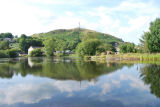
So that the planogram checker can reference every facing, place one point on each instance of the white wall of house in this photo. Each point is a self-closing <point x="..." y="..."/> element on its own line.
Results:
<point x="30" y="50"/>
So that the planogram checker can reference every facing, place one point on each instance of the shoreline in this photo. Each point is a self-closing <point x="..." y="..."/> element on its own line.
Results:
<point x="128" y="57"/>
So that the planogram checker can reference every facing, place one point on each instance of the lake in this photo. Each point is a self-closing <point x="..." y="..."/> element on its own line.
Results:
<point x="51" y="82"/>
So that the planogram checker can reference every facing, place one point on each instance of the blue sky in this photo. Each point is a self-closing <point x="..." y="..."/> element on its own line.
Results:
<point x="126" y="19"/>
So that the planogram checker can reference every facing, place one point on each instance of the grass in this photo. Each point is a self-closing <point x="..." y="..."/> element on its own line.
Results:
<point x="132" y="56"/>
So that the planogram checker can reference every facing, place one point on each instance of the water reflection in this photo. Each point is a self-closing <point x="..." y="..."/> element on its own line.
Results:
<point x="40" y="82"/>
<point x="63" y="69"/>
<point x="151" y="76"/>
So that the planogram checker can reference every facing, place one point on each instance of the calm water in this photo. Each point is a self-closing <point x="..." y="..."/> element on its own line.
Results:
<point x="43" y="82"/>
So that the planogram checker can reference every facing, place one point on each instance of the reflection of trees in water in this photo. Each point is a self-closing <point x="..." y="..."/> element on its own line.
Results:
<point x="151" y="76"/>
<point x="59" y="69"/>
<point x="6" y="71"/>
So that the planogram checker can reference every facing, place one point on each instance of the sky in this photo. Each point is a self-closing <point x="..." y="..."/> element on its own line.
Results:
<point x="125" y="19"/>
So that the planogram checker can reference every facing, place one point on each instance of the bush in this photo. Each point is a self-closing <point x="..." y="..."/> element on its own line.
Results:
<point x="87" y="57"/>
<point x="59" y="54"/>
<point x="36" y="53"/>
<point x="4" y="45"/>
<point x="12" y="53"/>
<point x="88" y="47"/>
<point x="3" y="54"/>
<point x="127" y="48"/>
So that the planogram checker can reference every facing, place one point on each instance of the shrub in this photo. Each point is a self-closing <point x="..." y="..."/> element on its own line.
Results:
<point x="127" y="48"/>
<point x="87" y="57"/>
<point x="12" y="53"/>
<point x="3" y="54"/>
<point x="36" y="53"/>
<point x="88" y="47"/>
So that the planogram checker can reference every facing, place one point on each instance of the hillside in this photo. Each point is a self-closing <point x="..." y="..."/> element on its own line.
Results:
<point x="72" y="34"/>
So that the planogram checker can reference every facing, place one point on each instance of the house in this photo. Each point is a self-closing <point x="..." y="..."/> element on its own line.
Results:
<point x="7" y="39"/>
<point x="109" y="52"/>
<point x="65" y="52"/>
<point x="117" y="48"/>
<point x="31" y="48"/>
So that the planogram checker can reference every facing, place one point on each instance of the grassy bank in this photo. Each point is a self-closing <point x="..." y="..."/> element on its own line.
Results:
<point x="129" y="56"/>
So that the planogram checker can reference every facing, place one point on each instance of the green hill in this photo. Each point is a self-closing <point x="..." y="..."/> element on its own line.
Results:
<point x="72" y="34"/>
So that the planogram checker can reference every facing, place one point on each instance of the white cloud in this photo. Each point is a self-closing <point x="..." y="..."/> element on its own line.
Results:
<point x="17" y="17"/>
<point x="126" y="20"/>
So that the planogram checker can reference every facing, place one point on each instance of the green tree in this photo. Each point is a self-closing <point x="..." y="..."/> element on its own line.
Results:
<point x="6" y="35"/>
<point x="88" y="47"/>
<point x="49" y="45"/>
<point x="4" y="45"/>
<point x="127" y="48"/>
<point x="60" y="44"/>
<point x="3" y="54"/>
<point x="143" y="43"/>
<point x="105" y="47"/>
<point x="90" y="35"/>
<point x="12" y="53"/>
<point x="152" y="37"/>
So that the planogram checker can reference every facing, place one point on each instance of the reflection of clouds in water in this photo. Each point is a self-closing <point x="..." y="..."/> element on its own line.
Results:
<point x="135" y="82"/>
<point x="26" y="93"/>
<point x="116" y="83"/>
<point x="106" y="88"/>
<point x="68" y="86"/>
<point x="34" y="92"/>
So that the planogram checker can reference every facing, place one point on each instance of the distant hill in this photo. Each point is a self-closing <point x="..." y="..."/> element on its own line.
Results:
<point x="71" y="34"/>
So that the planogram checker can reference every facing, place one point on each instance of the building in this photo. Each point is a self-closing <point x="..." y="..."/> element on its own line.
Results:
<point x="65" y="52"/>
<point x="7" y="39"/>
<point x="117" y="48"/>
<point x="31" y="48"/>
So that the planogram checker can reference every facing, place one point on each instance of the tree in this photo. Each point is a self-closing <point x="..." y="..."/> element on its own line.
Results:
<point x="4" y="45"/>
<point x="127" y="48"/>
<point x="6" y="35"/>
<point x="90" y="35"/>
<point x="143" y="43"/>
<point x="88" y="47"/>
<point x="49" y="45"/>
<point x="66" y="42"/>
<point x="152" y="37"/>
<point x="105" y="47"/>
<point x="12" y="53"/>
<point x="60" y="44"/>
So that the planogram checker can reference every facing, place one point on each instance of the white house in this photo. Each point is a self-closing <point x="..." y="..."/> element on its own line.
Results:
<point x="31" y="48"/>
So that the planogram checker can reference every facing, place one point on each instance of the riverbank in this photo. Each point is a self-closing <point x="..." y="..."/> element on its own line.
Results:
<point x="128" y="57"/>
